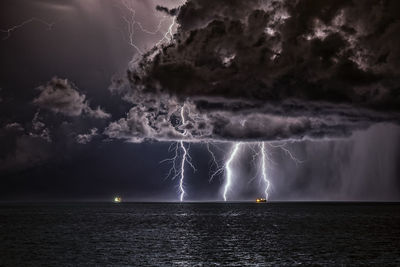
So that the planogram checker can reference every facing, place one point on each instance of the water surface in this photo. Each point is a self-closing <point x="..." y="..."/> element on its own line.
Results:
<point x="199" y="234"/>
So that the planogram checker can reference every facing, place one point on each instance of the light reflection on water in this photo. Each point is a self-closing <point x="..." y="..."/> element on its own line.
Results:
<point x="208" y="234"/>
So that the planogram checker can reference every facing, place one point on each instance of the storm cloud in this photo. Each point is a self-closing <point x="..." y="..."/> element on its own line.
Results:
<point x="61" y="96"/>
<point x="22" y="148"/>
<point x="267" y="70"/>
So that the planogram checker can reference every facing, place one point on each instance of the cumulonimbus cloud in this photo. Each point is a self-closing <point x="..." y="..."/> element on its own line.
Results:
<point x="268" y="70"/>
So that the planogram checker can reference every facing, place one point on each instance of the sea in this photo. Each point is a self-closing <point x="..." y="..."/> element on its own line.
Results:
<point x="200" y="234"/>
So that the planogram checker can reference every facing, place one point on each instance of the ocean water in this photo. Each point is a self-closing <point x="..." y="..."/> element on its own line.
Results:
<point x="199" y="234"/>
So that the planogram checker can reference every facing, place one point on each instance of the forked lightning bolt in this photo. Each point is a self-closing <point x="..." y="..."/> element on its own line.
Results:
<point x="287" y="151"/>
<point x="228" y="169"/>
<point x="132" y="24"/>
<point x="16" y="27"/>
<point x="181" y="188"/>
<point x="186" y="158"/>
<point x="264" y="169"/>
<point x="214" y="162"/>
<point x="176" y="171"/>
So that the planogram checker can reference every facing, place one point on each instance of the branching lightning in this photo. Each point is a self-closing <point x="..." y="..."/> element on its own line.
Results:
<point x="287" y="151"/>
<point x="169" y="32"/>
<point x="186" y="158"/>
<point x="180" y="149"/>
<point x="264" y="169"/>
<point x="260" y="158"/>
<point x="132" y="24"/>
<point x="181" y="188"/>
<point x="213" y="157"/>
<point x="173" y="170"/>
<point x="214" y="163"/>
<point x="28" y="21"/>
<point x="228" y="169"/>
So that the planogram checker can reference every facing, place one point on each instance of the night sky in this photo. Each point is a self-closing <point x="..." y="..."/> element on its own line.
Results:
<point x="92" y="96"/>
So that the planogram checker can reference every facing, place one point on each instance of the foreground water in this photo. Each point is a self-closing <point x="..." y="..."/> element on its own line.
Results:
<point x="202" y="234"/>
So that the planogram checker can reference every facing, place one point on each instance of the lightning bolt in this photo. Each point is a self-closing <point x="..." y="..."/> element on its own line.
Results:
<point x="264" y="169"/>
<point x="28" y="21"/>
<point x="213" y="157"/>
<point x="173" y="170"/>
<point x="259" y="149"/>
<point x="255" y="156"/>
<point x="169" y="32"/>
<point x="214" y="163"/>
<point x="287" y="151"/>
<point x="179" y="171"/>
<point x="186" y="158"/>
<point x="228" y="169"/>
<point x="266" y="160"/>
<point x="181" y="180"/>
<point x="132" y="24"/>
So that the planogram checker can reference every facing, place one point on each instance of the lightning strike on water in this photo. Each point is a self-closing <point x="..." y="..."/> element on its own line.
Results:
<point x="228" y="169"/>
<point x="260" y="153"/>
<point x="181" y="188"/>
<point x="132" y="24"/>
<point x="31" y="20"/>
<point x="180" y="151"/>
<point x="179" y="171"/>
<point x="264" y="169"/>
<point x="185" y="158"/>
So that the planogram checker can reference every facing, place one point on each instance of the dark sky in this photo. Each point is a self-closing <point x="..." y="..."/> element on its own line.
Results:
<point x="85" y="115"/>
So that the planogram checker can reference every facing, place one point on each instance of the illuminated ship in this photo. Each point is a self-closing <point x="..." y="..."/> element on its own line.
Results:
<point x="117" y="199"/>
<point x="261" y="200"/>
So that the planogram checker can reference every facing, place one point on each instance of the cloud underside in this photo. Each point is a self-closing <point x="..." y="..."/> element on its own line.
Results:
<point x="267" y="70"/>
<point x="212" y="120"/>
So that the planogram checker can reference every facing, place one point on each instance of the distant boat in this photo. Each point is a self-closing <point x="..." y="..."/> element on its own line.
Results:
<point x="117" y="199"/>
<point x="261" y="200"/>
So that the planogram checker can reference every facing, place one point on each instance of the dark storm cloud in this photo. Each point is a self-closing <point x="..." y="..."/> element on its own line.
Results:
<point x="65" y="119"/>
<point x="267" y="70"/>
<point x="171" y="12"/>
<point x="46" y="138"/>
<point x="22" y="148"/>
<point x="61" y="96"/>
